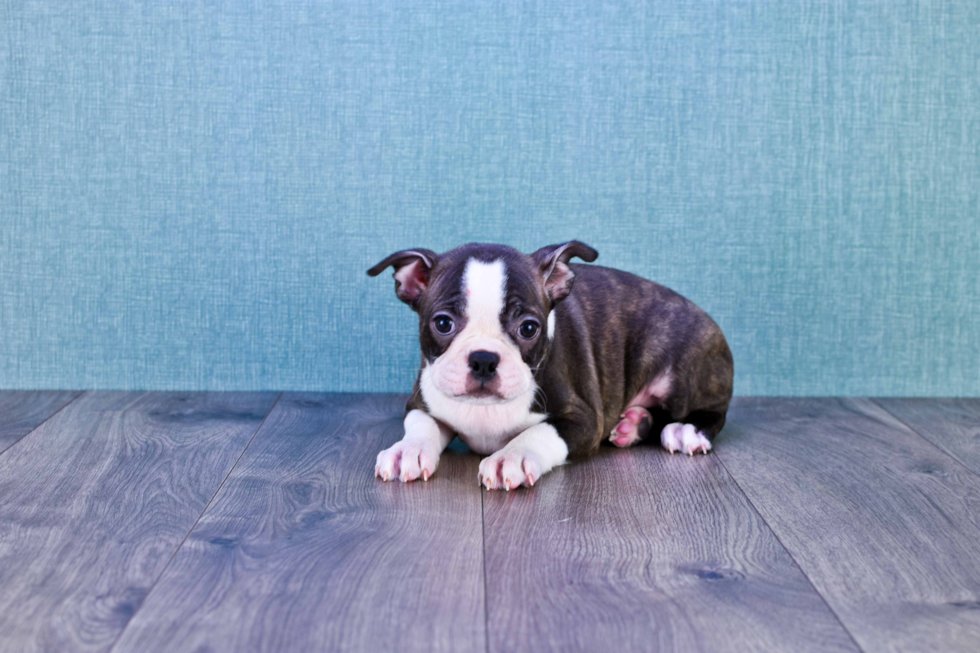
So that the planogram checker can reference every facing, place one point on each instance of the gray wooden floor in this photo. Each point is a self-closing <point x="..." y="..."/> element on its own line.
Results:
<point x="237" y="522"/>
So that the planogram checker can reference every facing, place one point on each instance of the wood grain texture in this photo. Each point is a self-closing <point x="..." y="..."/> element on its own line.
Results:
<point x="304" y="550"/>
<point x="96" y="501"/>
<point x="953" y="425"/>
<point x="640" y="550"/>
<point x="886" y="526"/>
<point x="22" y="411"/>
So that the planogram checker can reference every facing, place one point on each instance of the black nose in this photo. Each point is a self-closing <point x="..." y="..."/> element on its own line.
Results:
<point x="483" y="364"/>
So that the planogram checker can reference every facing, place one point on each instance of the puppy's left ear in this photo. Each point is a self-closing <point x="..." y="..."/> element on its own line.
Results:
<point x="412" y="268"/>
<point x="552" y="262"/>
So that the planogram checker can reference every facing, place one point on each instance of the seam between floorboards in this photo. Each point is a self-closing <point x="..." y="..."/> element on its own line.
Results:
<point x="196" y="521"/>
<point x="790" y="554"/>
<point x="43" y="422"/>
<point x="932" y="444"/>
<point x="486" y="603"/>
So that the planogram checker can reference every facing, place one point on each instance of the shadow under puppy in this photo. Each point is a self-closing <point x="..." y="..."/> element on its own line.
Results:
<point x="524" y="368"/>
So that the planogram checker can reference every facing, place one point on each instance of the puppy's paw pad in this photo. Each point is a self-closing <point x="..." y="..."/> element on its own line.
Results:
<point x="684" y="438"/>
<point x="632" y="427"/>
<point x="509" y="469"/>
<point x="406" y="461"/>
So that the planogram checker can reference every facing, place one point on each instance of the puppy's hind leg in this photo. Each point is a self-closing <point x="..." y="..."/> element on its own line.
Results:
<point x="636" y="421"/>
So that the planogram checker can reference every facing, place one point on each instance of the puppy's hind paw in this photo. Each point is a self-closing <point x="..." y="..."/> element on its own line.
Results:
<point x="632" y="428"/>
<point x="684" y="438"/>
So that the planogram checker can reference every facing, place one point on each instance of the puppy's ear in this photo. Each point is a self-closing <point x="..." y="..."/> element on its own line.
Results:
<point x="552" y="262"/>
<point x="412" y="267"/>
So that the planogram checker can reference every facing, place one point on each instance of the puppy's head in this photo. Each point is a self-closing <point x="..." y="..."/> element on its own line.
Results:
<point x="485" y="314"/>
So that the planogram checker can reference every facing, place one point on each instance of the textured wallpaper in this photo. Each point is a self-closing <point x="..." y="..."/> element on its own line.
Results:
<point x="191" y="192"/>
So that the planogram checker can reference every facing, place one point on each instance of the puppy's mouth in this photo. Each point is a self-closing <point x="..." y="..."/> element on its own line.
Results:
<point x="481" y="393"/>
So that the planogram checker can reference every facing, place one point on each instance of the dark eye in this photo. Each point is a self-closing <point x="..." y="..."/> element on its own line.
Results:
<point x="443" y="324"/>
<point x="529" y="329"/>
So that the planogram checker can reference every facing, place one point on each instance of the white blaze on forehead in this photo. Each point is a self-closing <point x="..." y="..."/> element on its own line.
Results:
<point x="485" y="285"/>
<point x="551" y="325"/>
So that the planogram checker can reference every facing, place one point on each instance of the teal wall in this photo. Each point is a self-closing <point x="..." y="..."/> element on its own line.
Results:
<point x="190" y="192"/>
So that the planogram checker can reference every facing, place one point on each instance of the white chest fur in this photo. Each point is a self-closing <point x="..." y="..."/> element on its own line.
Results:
<point x="484" y="427"/>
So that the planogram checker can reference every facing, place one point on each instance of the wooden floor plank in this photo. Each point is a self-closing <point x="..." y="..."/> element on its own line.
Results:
<point x="303" y="550"/>
<point x="97" y="500"/>
<point x="22" y="411"/>
<point x="886" y="526"/>
<point x="953" y="425"/>
<point x="642" y="550"/>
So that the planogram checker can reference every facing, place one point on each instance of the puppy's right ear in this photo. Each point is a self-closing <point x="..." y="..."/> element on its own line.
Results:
<point x="412" y="267"/>
<point x="552" y="262"/>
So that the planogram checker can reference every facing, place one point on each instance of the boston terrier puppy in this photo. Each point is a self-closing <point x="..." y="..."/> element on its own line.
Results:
<point x="529" y="372"/>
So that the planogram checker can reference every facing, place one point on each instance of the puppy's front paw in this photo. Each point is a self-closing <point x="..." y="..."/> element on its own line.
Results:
<point x="406" y="461"/>
<point x="684" y="438"/>
<point x="510" y="468"/>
